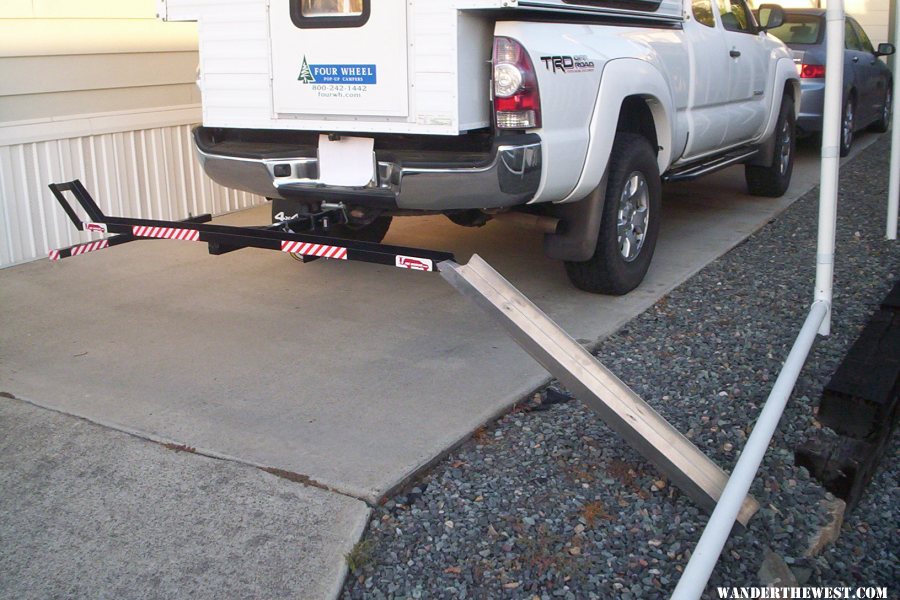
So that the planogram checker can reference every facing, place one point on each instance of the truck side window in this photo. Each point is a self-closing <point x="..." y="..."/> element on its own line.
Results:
<point x="329" y="13"/>
<point x="736" y="16"/>
<point x="703" y="12"/>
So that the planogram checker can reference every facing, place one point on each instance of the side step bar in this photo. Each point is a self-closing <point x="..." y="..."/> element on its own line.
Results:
<point x="693" y="171"/>
<point x="224" y="238"/>
<point x="618" y="406"/>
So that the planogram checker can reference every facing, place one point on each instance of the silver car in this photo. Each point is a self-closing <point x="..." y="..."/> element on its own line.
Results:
<point x="867" y="80"/>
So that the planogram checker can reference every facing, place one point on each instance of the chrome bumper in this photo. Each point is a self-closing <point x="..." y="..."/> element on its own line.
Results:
<point x="512" y="177"/>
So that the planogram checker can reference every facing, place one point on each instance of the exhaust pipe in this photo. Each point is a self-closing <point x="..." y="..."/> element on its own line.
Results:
<point x="539" y="223"/>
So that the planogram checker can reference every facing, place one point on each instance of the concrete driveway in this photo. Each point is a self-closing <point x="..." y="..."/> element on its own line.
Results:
<point x="353" y="375"/>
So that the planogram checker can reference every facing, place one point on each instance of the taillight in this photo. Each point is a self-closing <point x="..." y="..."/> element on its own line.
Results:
<point x="517" y="103"/>
<point x="812" y="71"/>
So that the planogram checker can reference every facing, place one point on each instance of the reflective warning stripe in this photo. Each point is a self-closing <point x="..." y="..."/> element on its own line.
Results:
<point x="166" y="233"/>
<point x="314" y="250"/>
<point x="90" y="247"/>
<point x="81" y="249"/>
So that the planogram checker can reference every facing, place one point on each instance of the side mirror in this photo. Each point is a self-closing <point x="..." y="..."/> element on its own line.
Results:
<point x="770" y="16"/>
<point x="885" y="50"/>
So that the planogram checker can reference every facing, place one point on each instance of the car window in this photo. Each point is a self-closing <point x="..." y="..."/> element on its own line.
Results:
<point x="863" y="38"/>
<point x="851" y="42"/>
<point x="736" y="16"/>
<point x="703" y="12"/>
<point x="799" y="29"/>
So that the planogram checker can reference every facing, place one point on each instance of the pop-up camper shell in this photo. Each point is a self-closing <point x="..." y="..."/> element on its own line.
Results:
<point x="420" y="67"/>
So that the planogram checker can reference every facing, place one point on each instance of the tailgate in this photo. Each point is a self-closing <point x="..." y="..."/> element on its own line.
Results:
<point x="339" y="57"/>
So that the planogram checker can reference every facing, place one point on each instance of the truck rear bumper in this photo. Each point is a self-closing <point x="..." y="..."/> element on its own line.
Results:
<point x="506" y="174"/>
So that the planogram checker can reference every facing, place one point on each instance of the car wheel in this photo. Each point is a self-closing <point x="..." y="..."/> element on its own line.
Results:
<point x="884" y="122"/>
<point x="630" y="222"/>
<point x="847" y="125"/>
<point x="773" y="181"/>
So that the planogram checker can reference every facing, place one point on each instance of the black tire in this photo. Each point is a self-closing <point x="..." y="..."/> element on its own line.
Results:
<point x="884" y="122"/>
<point x="848" y="125"/>
<point x="773" y="181"/>
<point x="610" y="270"/>
<point x="371" y="232"/>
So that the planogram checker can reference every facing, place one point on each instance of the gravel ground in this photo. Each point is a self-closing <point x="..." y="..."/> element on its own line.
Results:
<point x="548" y="502"/>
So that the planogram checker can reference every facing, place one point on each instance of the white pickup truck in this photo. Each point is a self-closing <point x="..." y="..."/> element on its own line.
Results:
<point x="566" y="114"/>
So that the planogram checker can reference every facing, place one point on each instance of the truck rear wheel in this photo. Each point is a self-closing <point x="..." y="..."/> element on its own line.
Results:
<point x="773" y="181"/>
<point x="630" y="223"/>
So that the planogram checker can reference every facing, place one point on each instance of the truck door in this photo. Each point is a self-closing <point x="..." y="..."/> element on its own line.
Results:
<point x="339" y="57"/>
<point x="708" y="95"/>
<point x="748" y="72"/>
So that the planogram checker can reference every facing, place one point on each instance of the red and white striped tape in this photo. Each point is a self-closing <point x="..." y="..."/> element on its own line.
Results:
<point x="314" y="250"/>
<point x="81" y="249"/>
<point x="165" y="233"/>
<point x="90" y="247"/>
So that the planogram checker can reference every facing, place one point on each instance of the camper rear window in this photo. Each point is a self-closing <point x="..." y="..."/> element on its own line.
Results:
<point x="329" y="13"/>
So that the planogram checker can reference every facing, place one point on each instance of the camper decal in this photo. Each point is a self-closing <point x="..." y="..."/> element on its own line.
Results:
<point x="305" y="74"/>
<point x="338" y="74"/>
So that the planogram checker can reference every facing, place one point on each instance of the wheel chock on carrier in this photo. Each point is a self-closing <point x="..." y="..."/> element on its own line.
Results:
<point x="618" y="406"/>
<point x="225" y="238"/>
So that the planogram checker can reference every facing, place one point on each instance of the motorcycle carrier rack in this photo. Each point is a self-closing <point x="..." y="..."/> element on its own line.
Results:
<point x="227" y="238"/>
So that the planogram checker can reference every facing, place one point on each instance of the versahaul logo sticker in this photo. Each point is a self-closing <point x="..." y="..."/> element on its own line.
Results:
<point x="414" y="263"/>
<point x="568" y="64"/>
<point x="338" y="74"/>
<point x="98" y="227"/>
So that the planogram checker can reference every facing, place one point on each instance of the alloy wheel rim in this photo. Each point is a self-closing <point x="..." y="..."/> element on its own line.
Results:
<point x="848" y="124"/>
<point x="633" y="216"/>
<point x="785" y="157"/>
<point x="887" y="106"/>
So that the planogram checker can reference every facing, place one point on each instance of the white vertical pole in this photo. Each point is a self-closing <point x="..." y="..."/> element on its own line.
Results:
<point x="831" y="157"/>
<point x="894" y="186"/>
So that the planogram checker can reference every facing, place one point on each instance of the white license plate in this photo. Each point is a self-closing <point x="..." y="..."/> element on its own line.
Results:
<point x="349" y="161"/>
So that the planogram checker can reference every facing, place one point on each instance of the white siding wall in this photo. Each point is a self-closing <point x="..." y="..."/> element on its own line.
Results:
<point x="101" y="91"/>
<point x="873" y="15"/>
<point x="149" y="173"/>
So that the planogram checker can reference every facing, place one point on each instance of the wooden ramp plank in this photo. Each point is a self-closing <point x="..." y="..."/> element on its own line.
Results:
<point x="591" y="382"/>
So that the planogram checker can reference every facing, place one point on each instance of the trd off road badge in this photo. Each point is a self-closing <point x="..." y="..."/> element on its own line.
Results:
<point x="568" y="64"/>
<point x="338" y="74"/>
